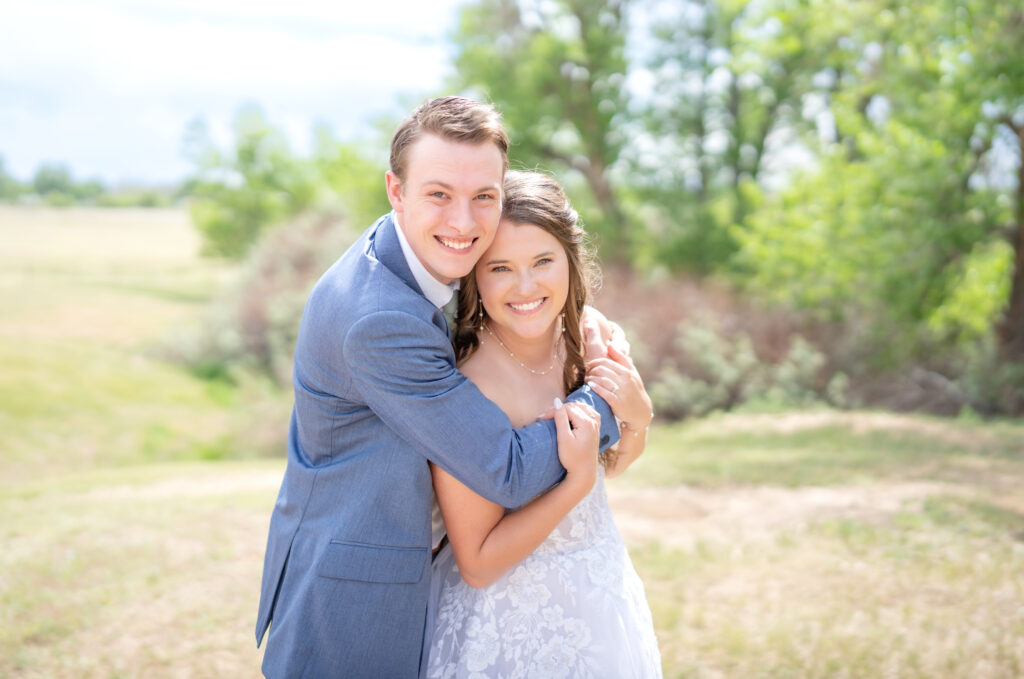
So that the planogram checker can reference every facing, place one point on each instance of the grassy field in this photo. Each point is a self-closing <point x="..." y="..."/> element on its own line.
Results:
<point x="135" y="498"/>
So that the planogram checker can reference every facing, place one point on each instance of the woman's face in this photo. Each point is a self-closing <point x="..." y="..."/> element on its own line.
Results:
<point x="523" y="279"/>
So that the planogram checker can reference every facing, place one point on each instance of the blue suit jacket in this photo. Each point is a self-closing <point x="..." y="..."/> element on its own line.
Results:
<point x="346" y="572"/>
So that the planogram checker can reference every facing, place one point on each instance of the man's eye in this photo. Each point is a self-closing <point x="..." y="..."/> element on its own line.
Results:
<point x="437" y="194"/>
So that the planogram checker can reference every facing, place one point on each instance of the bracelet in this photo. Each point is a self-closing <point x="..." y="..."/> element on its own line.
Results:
<point x="634" y="431"/>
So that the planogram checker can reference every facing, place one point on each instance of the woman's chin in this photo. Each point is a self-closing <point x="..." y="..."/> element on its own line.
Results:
<point x="526" y="330"/>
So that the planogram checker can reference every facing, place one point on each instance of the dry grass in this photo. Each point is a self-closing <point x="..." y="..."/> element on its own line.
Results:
<point x="150" y="572"/>
<point x="799" y="545"/>
<point x="882" y="546"/>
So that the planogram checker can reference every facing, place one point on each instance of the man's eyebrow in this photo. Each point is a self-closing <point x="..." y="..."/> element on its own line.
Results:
<point x="449" y="187"/>
<point x="438" y="182"/>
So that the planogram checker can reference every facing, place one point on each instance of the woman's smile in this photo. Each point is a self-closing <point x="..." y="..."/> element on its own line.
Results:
<point x="526" y="307"/>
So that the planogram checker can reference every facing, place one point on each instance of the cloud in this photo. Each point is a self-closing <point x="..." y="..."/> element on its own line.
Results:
<point x="105" y="83"/>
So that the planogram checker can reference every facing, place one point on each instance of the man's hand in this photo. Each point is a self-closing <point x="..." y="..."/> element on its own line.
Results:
<point x="599" y="332"/>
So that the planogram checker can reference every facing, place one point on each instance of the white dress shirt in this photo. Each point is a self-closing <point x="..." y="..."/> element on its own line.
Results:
<point x="435" y="291"/>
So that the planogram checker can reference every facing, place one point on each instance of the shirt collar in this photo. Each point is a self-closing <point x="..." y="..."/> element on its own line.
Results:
<point x="436" y="292"/>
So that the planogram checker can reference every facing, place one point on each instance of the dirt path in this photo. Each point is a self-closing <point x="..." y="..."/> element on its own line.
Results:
<point x="682" y="516"/>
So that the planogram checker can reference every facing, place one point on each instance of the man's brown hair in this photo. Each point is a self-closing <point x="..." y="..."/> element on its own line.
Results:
<point x="452" y="118"/>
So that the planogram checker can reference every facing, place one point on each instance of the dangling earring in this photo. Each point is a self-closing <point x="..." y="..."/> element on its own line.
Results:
<point x="480" y="312"/>
<point x="561" y="318"/>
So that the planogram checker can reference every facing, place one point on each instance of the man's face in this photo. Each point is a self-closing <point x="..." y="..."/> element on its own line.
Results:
<point x="449" y="204"/>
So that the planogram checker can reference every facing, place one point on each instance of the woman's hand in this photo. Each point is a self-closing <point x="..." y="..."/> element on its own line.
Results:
<point x="578" y="427"/>
<point x="616" y="380"/>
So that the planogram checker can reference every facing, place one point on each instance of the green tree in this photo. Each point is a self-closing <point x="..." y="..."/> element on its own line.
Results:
<point x="10" y="188"/>
<point x="88" y="191"/>
<point x="914" y="214"/>
<point x="556" y="71"/>
<point x="992" y="79"/>
<point x="239" y="192"/>
<point x="731" y="80"/>
<point x="52" y="178"/>
<point x="352" y="177"/>
<point x="55" y="184"/>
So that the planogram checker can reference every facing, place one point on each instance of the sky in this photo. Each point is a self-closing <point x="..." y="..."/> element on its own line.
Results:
<point x="107" y="87"/>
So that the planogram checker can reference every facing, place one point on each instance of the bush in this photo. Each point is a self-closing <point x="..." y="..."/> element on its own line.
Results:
<point x="714" y="370"/>
<point x="253" y="324"/>
<point x="700" y="347"/>
<point x="990" y="385"/>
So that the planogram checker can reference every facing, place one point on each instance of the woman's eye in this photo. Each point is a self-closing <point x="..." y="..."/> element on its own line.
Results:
<point x="544" y="260"/>
<point x="500" y="268"/>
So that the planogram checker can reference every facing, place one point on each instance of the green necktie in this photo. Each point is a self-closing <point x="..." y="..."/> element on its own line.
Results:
<point x="449" y="310"/>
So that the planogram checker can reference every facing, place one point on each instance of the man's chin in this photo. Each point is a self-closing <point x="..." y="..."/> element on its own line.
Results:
<point x="455" y="273"/>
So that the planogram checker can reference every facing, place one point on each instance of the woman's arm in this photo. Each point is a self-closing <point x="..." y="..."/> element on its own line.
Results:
<point x="629" y="448"/>
<point x="486" y="541"/>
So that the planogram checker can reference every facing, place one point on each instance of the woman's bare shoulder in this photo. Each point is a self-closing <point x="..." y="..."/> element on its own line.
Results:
<point x="480" y="369"/>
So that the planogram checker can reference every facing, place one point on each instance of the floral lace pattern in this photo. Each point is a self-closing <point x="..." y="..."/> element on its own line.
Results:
<point x="573" y="608"/>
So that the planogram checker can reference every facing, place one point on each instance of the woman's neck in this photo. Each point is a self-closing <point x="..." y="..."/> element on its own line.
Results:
<point x="537" y="354"/>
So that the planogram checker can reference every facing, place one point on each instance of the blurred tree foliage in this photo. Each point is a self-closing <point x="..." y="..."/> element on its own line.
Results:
<point x="859" y="159"/>
<point x="556" y="71"/>
<point x="350" y="179"/>
<point x="54" y="184"/>
<point x="910" y="212"/>
<point x="239" y="192"/>
<point x="10" y="188"/>
<point x="728" y="78"/>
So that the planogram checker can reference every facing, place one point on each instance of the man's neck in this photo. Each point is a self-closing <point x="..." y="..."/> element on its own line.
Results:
<point x="437" y="292"/>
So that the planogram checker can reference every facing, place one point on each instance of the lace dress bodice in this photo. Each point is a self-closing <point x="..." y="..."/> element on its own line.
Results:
<point x="574" y="608"/>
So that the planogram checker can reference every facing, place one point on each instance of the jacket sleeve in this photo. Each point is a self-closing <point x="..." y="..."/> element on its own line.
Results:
<point x="404" y="369"/>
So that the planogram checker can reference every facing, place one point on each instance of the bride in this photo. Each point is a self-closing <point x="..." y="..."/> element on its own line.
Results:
<point x="547" y="590"/>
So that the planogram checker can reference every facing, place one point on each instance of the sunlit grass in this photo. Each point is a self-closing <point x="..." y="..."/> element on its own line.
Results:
<point x="140" y="571"/>
<point x="823" y="448"/>
<point x="907" y="596"/>
<point x="88" y="296"/>
<point x="133" y="528"/>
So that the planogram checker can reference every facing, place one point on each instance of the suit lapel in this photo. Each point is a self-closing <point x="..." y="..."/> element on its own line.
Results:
<point x="389" y="252"/>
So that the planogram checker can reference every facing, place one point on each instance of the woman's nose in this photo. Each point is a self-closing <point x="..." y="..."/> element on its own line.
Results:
<point x="526" y="282"/>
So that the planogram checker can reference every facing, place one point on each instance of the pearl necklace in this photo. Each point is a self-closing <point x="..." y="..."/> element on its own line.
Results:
<point x="515" y="358"/>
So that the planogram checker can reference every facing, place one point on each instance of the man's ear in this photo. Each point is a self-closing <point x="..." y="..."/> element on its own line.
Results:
<point x="394" y="187"/>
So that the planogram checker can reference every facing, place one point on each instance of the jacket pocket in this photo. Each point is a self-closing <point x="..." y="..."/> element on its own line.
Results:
<point x="372" y="563"/>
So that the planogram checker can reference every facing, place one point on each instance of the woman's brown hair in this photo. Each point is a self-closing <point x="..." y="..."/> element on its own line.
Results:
<point x="535" y="198"/>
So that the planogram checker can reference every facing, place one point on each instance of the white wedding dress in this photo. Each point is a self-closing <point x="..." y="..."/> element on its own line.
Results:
<point x="573" y="608"/>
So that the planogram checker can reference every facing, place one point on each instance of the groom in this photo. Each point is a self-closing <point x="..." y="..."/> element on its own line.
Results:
<point x="347" y="567"/>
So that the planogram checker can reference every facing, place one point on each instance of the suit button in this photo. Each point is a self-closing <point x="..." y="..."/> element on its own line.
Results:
<point x="605" y="439"/>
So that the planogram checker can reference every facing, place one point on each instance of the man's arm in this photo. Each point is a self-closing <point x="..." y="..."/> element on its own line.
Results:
<point x="403" y="369"/>
<point x="486" y="540"/>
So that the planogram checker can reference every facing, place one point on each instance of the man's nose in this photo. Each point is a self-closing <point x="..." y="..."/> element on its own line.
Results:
<point x="460" y="216"/>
